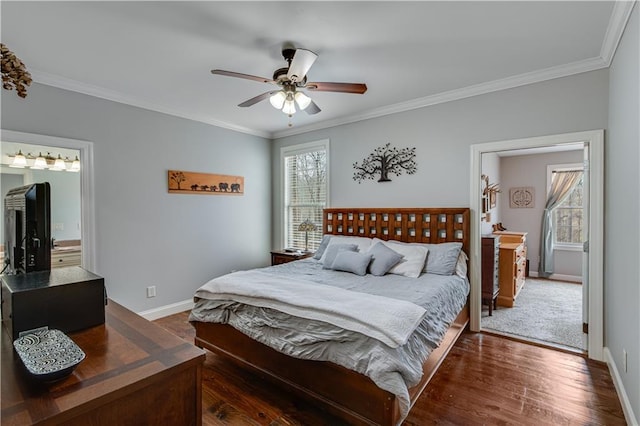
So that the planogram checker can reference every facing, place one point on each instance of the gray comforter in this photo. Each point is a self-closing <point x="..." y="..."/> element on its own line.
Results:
<point x="392" y="369"/>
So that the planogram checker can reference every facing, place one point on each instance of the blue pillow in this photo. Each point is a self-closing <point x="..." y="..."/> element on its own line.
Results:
<point x="383" y="259"/>
<point x="323" y="246"/>
<point x="442" y="258"/>
<point x="351" y="261"/>
<point x="332" y="251"/>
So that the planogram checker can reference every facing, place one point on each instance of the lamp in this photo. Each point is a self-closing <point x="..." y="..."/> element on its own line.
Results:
<point x="40" y="163"/>
<point x="75" y="165"/>
<point x="306" y="227"/>
<point x="19" y="161"/>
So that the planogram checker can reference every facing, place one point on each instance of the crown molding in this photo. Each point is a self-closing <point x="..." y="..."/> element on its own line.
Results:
<point x="617" y="23"/>
<point x="619" y="16"/>
<point x="586" y="65"/>
<point x="100" y="92"/>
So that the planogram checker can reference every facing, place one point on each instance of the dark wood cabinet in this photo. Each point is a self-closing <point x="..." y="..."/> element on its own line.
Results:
<point x="490" y="270"/>
<point x="280" y="256"/>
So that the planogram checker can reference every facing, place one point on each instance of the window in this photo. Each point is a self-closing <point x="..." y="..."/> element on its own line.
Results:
<point x="567" y="216"/>
<point x="305" y="169"/>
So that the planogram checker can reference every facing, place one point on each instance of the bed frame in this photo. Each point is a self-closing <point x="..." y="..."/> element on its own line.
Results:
<point x="347" y="394"/>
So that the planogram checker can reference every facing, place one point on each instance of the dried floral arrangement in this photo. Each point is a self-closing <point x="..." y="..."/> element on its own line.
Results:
<point x="14" y="72"/>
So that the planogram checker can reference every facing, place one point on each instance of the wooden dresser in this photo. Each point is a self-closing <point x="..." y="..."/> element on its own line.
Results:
<point x="134" y="373"/>
<point x="513" y="262"/>
<point x="490" y="270"/>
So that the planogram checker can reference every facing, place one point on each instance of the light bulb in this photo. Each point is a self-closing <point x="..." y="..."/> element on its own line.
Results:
<point x="40" y="163"/>
<point x="278" y="99"/>
<point x="302" y="100"/>
<point x="75" y="166"/>
<point x="289" y="107"/>
<point x="59" y="164"/>
<point x="19" y="161"/>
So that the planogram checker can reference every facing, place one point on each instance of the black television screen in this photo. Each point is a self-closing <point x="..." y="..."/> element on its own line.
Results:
<point x="27" y="217"/>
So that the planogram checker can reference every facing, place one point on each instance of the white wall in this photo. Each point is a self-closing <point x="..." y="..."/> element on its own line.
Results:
<point x="622" y="210"/>
<point x="531" y="170"/>
<point x="443" y="134"/>
<point x="144" y="235"/>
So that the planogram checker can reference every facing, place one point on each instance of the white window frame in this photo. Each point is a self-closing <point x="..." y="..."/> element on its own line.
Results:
<point x="290" y="150"/>
<point x="563" y="168"/>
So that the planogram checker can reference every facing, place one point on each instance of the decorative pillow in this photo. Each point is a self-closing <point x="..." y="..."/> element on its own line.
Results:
<point x="323" y="246"/>
<point x="413" y="260"/>
<point x="332" y="250"/>
<point x="442" y="258"/>
<point x="382" y="259"/>
<point x="351" y="261"/>
<point x="363" y="243"/>
<point x="461" y="264"/>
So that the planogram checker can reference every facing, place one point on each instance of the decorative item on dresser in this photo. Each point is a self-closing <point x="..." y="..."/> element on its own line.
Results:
<point x="513" y="261"/>
<point x="490" y="270"/>
<point x="279" y="257"/>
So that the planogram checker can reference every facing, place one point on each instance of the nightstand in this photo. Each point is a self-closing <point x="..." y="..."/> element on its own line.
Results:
<point x="280" y="256"/>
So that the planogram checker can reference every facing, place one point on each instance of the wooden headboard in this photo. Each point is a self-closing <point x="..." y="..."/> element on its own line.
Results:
<point x="410" y="225"/>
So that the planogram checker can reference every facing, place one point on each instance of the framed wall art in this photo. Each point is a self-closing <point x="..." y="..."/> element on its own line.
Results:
<point x="181" y="182"/>
<point x="522" y="197"/>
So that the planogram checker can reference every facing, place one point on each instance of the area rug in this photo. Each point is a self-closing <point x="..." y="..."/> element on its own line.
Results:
<point x="545" y="310"/>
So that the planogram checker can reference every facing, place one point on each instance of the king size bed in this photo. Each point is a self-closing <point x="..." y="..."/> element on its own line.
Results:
<point x="359" y="328"/>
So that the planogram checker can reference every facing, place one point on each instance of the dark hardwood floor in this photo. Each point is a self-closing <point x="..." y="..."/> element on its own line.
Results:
<point x="485" y="379"/>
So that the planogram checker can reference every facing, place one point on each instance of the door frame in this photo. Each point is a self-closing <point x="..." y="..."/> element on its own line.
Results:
<point x="87" y="199"/>
<point x="594" y="139"/>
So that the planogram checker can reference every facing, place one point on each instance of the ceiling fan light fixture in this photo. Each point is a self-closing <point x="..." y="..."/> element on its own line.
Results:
<point x="302" y="100"/>
<point x="278" y="99"/>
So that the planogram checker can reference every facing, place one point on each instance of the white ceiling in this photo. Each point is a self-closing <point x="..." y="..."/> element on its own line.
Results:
<point x="158" y="55"/>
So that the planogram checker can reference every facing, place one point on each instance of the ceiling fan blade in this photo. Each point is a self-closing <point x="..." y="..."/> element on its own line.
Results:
<point x="313" y="108"/>
<point x="357" y="88"/>
<point x="300" y="65"/>
<point x="245" y="76"/>
<point x="257" y="99"/>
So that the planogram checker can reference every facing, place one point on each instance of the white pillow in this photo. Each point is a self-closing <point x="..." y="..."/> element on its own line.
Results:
<point x="363" y="243"/>
<point x="412" y="263"/>
<point x="461" y="264"/>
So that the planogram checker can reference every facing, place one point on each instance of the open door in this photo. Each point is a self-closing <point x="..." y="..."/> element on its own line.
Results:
<point x="585" y="247"/>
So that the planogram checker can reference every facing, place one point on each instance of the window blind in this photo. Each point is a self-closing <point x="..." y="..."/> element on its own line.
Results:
<point x="305" y="195"/>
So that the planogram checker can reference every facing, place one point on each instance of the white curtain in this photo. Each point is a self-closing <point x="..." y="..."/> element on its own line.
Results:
<point x="562" y="183"/>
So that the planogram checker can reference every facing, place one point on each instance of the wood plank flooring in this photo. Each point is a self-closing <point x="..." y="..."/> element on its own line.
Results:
<point x="485" y="380"/>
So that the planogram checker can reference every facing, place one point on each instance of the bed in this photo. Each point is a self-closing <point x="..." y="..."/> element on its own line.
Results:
<point x="359" y="389"/>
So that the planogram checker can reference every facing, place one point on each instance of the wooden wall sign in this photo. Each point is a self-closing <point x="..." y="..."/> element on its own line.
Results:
<point x="181" y="182"/>
<point x="522" y="198"/>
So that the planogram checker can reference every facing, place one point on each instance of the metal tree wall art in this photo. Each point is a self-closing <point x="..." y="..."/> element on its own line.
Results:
<point x="14" y="73"/>
<point x="385" y="160"/>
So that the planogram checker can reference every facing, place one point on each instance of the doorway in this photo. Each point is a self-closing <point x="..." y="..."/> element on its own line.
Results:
<point x="87" y="210"/>
<point x="594" y="141"/>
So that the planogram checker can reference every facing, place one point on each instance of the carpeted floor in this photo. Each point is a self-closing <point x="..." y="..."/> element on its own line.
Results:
<point x="549" y="311"/>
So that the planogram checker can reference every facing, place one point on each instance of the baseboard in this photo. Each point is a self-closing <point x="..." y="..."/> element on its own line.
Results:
<point x="559" y="277"/>
<point x="622" y="394"/>
<point x="164" y="311"/>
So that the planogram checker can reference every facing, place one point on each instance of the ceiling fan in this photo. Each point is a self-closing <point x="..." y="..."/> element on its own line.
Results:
<point x="291" y="81"/>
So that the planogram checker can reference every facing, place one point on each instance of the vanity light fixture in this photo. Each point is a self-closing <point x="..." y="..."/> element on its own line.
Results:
<point x="43" y="162"/>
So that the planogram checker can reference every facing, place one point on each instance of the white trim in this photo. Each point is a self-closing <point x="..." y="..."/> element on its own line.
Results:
<point x="595" y="140"/>
<point x="627" y="409"/>
<point x="617" y="23"/>
<point x="87" y="192"/>
<point x="293" y="150"/>
<point x="110" y="95"/>
<point x="165" y="311"/>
